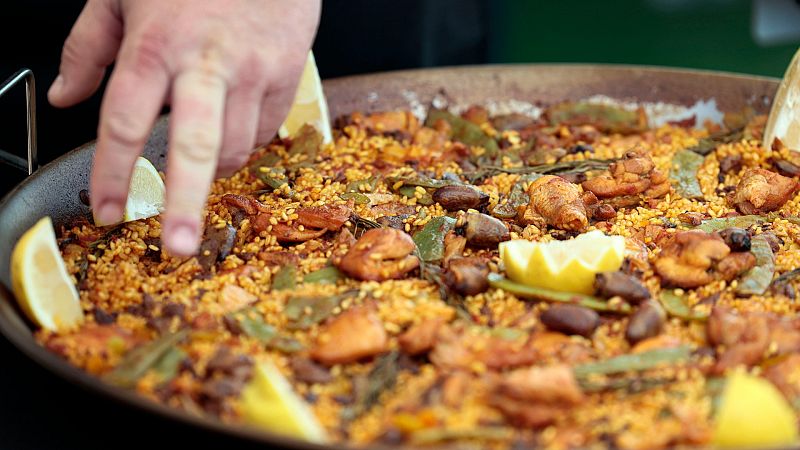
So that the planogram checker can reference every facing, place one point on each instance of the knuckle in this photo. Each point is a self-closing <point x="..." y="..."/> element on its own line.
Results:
<point x="252" y="71"/>
<point x="124" y="129"/>
<point x="148" y="50"/>
<point x="71" y="52"/>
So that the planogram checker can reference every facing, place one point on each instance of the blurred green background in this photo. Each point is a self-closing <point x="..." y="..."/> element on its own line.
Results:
<point x="706" y="34"/>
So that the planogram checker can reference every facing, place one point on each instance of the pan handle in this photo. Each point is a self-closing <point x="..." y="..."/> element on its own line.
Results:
<point x="30" y="101"/>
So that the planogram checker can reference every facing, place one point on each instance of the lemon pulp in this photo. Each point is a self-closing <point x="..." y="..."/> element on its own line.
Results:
<point x="269" y="402"/>
<point x="309" y="106"/>
<point x="568" y="266"/>
<point x="40" y="280"/>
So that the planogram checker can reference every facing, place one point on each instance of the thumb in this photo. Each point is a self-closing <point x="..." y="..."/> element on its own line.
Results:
<point x="91" y="46"/>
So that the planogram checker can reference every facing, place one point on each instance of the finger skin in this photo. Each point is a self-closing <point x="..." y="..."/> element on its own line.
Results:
<point x="241" y="125"/>
<point x="274" y="108"/>
<point x="130" y="107"/>
<point x="198" y="105"/>
<point x="91" y="46"/>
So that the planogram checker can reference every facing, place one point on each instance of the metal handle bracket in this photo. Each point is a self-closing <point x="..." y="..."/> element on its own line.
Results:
<point x="30" y="100"/>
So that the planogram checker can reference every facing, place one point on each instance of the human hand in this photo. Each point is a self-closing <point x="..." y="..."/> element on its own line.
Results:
<point x="229" y="69"/>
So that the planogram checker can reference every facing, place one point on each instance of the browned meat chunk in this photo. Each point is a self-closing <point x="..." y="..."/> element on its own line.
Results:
<point x="634" y="174"/>
<point x="421" y="337"/>
<point x="308" y="371"/>
<point x="542" y="384"/>
<point x="380" y="254"/>
<point x="747" y="338"/>
<point x="761" y="191"/>
<point x="233" y="298"/>
<point x="785" y="375"/>
<point x="467" y="276"/>
<point x="355" y="334"/>
<point x="388" y="121"/>
<point x="279" y="258"/>
<point x="329" y="217"/>
<point x="311" y="223"/>
<point x="430" y="138"/>
<point x="90" y="345"/>
<point x="730" y="164"/>
<point x="533" y="397"/>
<point x="290" y="233"/>
<point x="456" y="348"/>
<point x="248" y="205"/>
<point x="689" y="259"/>
<point x="476" y="114"/>
<point x="453" y="246"/>
<point x="558" y="203"/>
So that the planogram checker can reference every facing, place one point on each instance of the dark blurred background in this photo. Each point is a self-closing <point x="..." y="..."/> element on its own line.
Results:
<point x="360" y="36"/>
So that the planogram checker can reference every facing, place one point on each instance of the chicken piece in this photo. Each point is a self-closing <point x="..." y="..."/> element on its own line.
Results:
<point x="429" y="138"/>
<point x="747" y="338"/>
<point x="689" y="259"/>
<point x="456" y="348"/>
<point x="421" y="337"/>
<point x="632" y="175"/>
<point x="535" y="396"/>
<point x="735" y="264"/>
<point x="761" y="191"/>
<point x="329" y="217"/>
<point x="476" y="114"/>
<point x="380" y="254"/>
<point x="559" y="203"/>
<point x="542" y="384"/>
<point x="248" y="205"/>
<point x="311" y="223"/>
<point x="785" y="375"/>
<point x="281" y="258"/>
<point x="392" y="121"/>
<point x="233" y="298"/>
<point x="90" y="346"/>
<point x="355" y="334"/>
<point x="453" y="246"/>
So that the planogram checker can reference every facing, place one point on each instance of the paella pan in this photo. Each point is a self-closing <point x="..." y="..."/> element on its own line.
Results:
<point x="380" y="274"/>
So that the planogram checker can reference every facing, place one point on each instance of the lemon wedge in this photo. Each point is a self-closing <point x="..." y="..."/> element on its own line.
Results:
<point x="515" y="255"/>
<point x="568" y="266"/>
<point x="145" y="195"/>
<point x="783" y="121"/>
<point x="269" y="402"/>
<point x="753" y="414"/>
<point x="40" y="280"/>
<point x="309" y="105"/>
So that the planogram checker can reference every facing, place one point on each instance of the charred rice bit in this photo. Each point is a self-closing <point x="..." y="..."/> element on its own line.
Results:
<point x="134" y="291"/>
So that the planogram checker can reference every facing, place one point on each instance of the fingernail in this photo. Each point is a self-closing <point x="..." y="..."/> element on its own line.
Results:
<point x="56" y="87"/>
<point x="181" y="239"/>
<point x="109" y="212"/>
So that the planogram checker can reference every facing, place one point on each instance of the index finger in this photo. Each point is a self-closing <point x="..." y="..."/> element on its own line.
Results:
<point x="196" y="123"/>
<point x="131" y="104"/>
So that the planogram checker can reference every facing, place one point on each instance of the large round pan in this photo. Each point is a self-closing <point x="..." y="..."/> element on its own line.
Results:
<point x="53" y="190"/>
